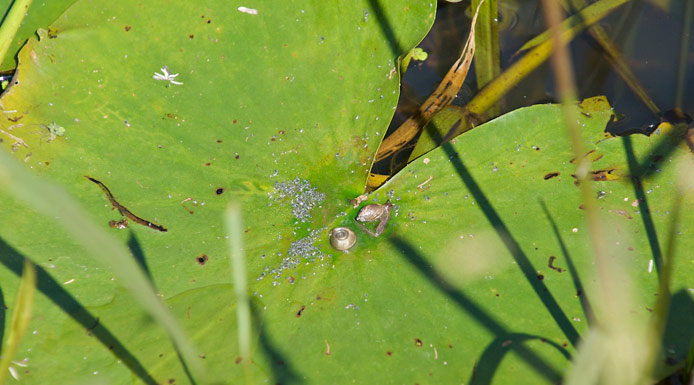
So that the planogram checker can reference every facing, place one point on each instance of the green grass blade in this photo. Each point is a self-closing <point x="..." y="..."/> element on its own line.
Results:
<point x="487" y="59"/>
<point x="54" y="202"/>
<point x="11" y="24"/>
<point x="234" y="226"/>
<point x="20" y="318"/>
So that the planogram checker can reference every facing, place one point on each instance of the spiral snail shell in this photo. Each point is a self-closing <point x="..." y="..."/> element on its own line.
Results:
<point x="342" y="238"/>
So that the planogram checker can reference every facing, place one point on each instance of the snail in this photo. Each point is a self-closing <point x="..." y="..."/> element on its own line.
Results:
<point x="375" y="213"/>
<point x="342" y="238"/>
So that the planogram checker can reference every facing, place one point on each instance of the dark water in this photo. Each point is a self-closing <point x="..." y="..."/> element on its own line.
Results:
<point x="647" y="33"/>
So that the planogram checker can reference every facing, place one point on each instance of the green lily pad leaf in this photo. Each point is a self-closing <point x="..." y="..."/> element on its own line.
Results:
<point x="155" y="116"/>
<point x="281" y="110"/>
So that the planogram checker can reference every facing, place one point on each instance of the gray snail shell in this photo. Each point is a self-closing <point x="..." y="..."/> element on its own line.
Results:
<point x="342" y="238"/>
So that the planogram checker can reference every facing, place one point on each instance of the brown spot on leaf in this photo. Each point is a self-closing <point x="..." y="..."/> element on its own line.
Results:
<point x="418" y="342"/>
<point x="208" y="163"/>
<point x="191" y="36"/>
<point x="550" y="264"/>
<point x="202" y="259"/>
<point x="298" y="314"/>
<point x="128" y="28"/>
<point x="389" y="353"/>
<point x="238" y="360"/>
<point x="171" y="380"/>
<point x="219" y="141"/>
<point x="603" y="175"/>
<point x="623" y="213"/>
<point x="219" y="191"/>
<point x="15" y="119"/>
<point x="540" y="277"/>
<point x="551" y="175"/>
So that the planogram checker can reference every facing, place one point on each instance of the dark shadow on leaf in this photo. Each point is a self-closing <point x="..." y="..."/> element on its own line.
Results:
<point x="3" y="316"/>
<point x="580" y="292"/>
<point x="282" y="369"/>
<point x="512" y="246"/>
<point x="679" y="333"/>
<point x="14" y="261"/>
<point x="136" y="250"/>
<point x="386" y="27"/>
<point x="183" y="364"/>
<point x="470" y="307"/>
<point x="635" y="170"/>
<point x="492" y="356"/>
<point x="660" y="151"/>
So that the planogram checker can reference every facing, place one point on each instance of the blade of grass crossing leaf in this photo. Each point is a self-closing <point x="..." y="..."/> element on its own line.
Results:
<point x="587" y="360"/>
<point x="11" y="24"/>
<point x="21" y="315"/>
<point x="234" y="226"/>
<point x="487" y="59"/>
<point x="54" y="202"/>
<point x="624" y="350"/>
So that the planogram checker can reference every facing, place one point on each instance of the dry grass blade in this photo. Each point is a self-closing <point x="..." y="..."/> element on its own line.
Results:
<point x="21" y="316"/>
<point x="440" y="98"/>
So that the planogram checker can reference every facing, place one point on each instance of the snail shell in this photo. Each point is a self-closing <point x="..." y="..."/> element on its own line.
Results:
<point x="342" y="238"/>
<point x="374" y="212"/>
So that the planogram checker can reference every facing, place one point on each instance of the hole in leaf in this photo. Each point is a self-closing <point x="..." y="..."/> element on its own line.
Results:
<point x="551" y="175"/>
<point x="298" y="314"/>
